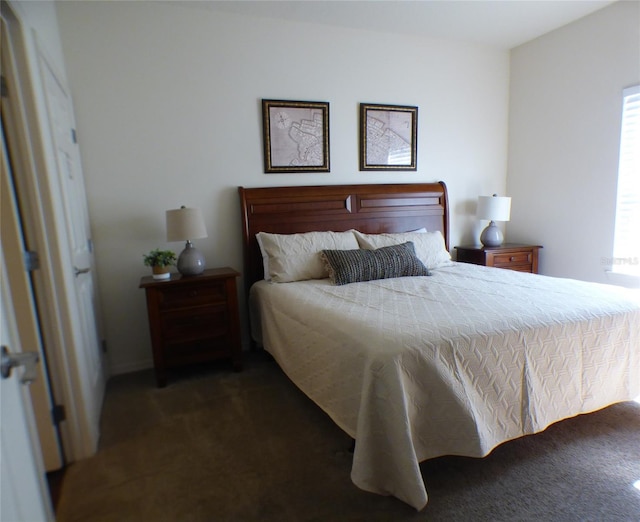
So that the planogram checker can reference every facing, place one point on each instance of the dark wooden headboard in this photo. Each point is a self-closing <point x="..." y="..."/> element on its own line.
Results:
<point x="372" y="209"/>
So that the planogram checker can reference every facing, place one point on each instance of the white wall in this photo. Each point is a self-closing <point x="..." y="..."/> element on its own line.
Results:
<point x="564" y="135"/>
<point x="167" y="102"/>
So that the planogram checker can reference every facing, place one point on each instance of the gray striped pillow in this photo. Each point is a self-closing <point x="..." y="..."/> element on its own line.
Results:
<point x="353" y="266"/>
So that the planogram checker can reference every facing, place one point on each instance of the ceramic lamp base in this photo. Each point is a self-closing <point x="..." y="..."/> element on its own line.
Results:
<point x="491" y="236"/>
<point x="191" y="261"/>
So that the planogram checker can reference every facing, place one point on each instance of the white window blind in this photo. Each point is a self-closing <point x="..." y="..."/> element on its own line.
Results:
<point x="626" y="244"/>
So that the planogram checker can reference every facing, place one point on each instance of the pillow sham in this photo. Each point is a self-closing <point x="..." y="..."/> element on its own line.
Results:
<point x="296" y="257"/>
<point x="429" y="246"/>
<point x="353" y="266"/>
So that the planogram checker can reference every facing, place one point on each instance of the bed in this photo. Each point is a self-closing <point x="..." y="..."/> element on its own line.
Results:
<point x="454" y="360"/>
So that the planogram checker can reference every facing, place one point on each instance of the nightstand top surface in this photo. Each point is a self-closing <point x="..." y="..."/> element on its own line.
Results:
<point x="504" y="246"/>
<point x="176" y="277"/>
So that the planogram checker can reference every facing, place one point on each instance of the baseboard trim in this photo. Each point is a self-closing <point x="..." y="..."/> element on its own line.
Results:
<point x="137" y="366"/>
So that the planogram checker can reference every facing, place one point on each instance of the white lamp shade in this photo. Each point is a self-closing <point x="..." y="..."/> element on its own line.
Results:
<point x="184" y="224"/>
<point x="494" y="208"/>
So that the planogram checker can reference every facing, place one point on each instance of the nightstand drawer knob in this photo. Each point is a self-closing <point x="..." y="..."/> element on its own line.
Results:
<point x="513" y="258"/>
<point x="193" y="293"/>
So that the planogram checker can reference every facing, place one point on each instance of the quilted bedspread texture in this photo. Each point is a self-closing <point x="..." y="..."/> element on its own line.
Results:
<point x="452" y="364"/>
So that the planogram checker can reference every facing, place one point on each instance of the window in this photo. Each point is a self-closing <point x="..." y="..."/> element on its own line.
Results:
<point x="626" y="243"/>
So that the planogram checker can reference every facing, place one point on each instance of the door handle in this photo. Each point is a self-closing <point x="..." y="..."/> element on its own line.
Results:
<point x="28" y="360"/>
<point x="78" y="271"/>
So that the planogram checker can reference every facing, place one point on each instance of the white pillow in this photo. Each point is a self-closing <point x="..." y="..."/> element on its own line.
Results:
<point x="429" y="246"/>
<point x="296" y="257"/>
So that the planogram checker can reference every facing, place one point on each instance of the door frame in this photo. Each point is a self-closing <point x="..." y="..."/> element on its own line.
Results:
<point x="41" y="203"/>
<point x="22" y="297"/>
<point x="25" y="494"/>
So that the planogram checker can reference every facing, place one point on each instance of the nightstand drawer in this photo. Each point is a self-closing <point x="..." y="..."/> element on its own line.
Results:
<point x="517" y="268"/>
<point x="505" y="259"/>
<point x="193" y="295"/>
<point x="195" y="323"/>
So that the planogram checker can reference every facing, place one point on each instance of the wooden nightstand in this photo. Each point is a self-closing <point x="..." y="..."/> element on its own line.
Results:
<point x="512" y="256"/>
<point x="193" y="319"/>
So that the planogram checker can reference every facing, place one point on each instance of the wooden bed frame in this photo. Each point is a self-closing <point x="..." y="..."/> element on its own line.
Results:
<point x="371" y="209"/>
<point x="400" y="208"/>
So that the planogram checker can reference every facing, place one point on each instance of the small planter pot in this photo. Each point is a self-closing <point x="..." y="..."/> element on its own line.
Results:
<point x="161" y="272"/>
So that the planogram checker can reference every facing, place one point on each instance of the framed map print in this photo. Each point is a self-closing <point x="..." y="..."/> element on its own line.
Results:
<point x="296" y="136"/>
<point x="388" y="137"/>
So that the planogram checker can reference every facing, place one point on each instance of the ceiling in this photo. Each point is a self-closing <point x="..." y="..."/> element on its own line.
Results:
<point x="502" y="24"/>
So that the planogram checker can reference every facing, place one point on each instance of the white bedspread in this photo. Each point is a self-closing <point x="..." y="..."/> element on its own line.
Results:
<point x="452" y="364"/>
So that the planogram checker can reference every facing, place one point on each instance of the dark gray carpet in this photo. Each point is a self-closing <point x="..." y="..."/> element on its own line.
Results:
<point x="220" y="446"/>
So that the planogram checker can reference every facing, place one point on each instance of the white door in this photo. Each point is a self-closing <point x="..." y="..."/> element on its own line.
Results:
<point x="23" y="490"/>
<point x="51" y="192"/>
<point x="89" y="354"/>
<point x="21" y="294"/>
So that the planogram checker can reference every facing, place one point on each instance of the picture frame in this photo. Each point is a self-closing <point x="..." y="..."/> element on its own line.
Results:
<point x="295" y="136"/>
<point x="388" y="137"/>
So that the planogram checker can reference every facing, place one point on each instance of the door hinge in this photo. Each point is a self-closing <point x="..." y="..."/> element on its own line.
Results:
<point x="4" y="89"/>
<point x="74" y="138"/>
<point x="58" y="414"/>
<point x="31" y="261"/>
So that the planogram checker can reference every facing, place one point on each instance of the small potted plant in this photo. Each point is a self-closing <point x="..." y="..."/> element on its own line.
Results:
<point x="160" y="262"/>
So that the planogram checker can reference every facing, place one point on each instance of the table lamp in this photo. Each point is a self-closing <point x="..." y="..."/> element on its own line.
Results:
<point x="185" y="224"/>
<point x="494" y="208"/>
